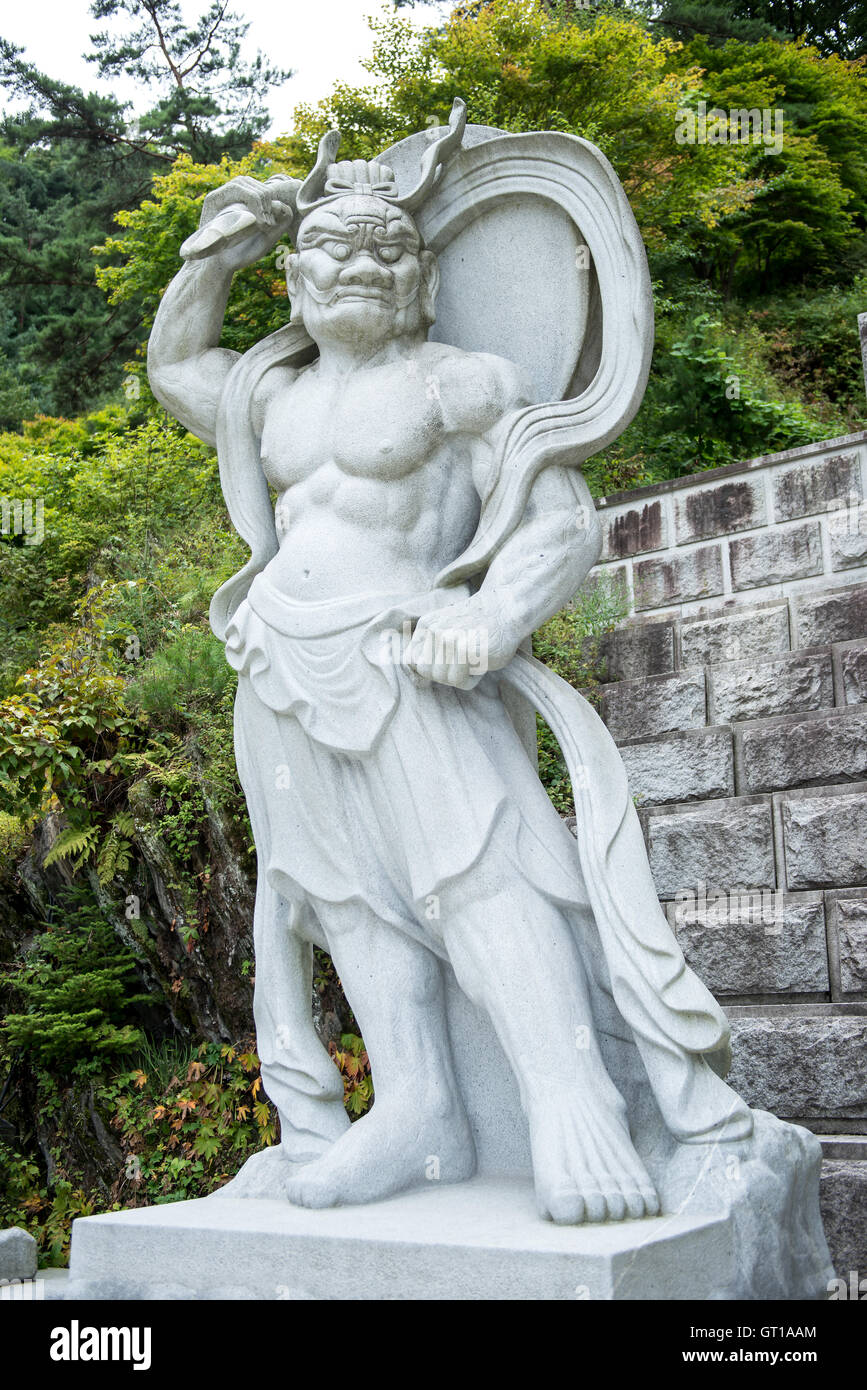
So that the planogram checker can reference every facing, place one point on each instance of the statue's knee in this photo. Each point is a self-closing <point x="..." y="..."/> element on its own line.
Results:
<point x="423" y="983"/>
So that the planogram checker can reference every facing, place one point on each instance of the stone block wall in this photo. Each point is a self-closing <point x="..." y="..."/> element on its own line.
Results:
<point x="737" y="693"/>
<point x="778" y="525"/>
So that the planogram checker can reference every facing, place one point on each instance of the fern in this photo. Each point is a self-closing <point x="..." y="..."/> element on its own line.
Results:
<point x="115" y="852"/>
<point x="77" y="841"/>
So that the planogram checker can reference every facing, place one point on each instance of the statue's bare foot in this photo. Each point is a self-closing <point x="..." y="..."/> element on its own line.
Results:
<point x="392" y="1148"/>
<point x="265" y="1175"/>
<point x="584" y="1164"/>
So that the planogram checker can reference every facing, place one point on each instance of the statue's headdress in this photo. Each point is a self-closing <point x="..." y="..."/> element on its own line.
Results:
<point x="329" y="180"/>
<point x="224" y="222"/>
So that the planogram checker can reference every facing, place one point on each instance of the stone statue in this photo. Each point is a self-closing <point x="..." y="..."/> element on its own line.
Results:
<point x="430" y="515"/>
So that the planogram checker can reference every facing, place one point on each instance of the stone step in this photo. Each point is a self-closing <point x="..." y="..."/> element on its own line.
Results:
<point x="652" y="646"/>
<point x="799" y="839"/>
<point x="650" y="705"/>
<point x="797" y="750"/>
<point x="846" y="915"/>
<point x="803" y="1062"/>
<point x="850" y="672"/>
<point x="849" y="1147"/>
<point x="790" y="684"/>
<point x="778" y="753"/>
<point x="731" y="630"/>
<point x="748" y="937"/>
<point x="806" y="1063"/>
<point x="829" y="615"/>
<point x="727" y="842"/>
<point x="817" y="680"/>
<point x="692" y="765"/>
<point x="843" y="1203"/>
<point x="746" y="633"/>
<point x="754" y="944"/>
<point x="640" y="648"/>
<point x="822" y="837"/>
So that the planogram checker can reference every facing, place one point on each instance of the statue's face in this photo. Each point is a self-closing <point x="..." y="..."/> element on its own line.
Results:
<point x="360" y="273"/>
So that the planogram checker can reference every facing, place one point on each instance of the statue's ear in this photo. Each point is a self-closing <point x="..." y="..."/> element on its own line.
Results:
<point x="430" y="283"/>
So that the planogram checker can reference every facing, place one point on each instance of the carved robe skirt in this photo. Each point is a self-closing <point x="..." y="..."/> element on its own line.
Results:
<point x="376" y="786"/>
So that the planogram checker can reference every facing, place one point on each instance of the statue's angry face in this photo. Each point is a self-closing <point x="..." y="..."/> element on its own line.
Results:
<point x="360" y="272"/>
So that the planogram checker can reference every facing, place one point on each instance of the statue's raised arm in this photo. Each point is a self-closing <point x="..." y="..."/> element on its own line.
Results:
<point x="241" y="222"/>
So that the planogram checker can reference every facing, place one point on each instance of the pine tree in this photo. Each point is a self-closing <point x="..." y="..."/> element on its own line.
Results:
<point x="78" y="986"/>
<point x="69" y="161"/>
<point x="831" y="26"/>
<point x="210" y="102"/>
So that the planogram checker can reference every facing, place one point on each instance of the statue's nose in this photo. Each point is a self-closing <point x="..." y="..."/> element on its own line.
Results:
<point x="364" y="270"/>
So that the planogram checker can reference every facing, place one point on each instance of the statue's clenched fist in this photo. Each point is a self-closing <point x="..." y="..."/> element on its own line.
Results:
<point x="459" y="644"/>
<point x="243" y="220"/>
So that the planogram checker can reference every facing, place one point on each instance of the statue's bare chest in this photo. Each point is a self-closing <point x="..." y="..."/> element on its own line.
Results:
<point x="381" y="425"/>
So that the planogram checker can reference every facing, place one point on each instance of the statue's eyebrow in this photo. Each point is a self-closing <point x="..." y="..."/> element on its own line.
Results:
<point x="316" y="235"/>
<point x="396" y="233"/>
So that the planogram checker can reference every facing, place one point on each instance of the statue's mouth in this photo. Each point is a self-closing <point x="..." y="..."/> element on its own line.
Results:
<point x="357" y="292"/>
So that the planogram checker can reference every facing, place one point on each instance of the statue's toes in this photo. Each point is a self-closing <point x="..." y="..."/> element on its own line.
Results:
<point x="564" y="1206"/>
<point x="651" y="1202"/>
<point x="311" y="1191"/>
<point x="616" y="1203"/>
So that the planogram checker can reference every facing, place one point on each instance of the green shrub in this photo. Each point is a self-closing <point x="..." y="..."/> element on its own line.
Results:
<point x="13" y="838"/>
<point x="814" y="347"/>
<point x="78" y="986"/>
<point x="26" y="1201"/>
<point x="186" y="676"/>
<point x="187" y="1122"/>
<point x="571" y="644"/>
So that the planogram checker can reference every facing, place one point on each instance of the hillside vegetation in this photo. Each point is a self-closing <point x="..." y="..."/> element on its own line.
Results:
<point x="128" y="1071"/>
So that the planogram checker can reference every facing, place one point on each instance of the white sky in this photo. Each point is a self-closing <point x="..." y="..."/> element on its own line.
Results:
<point x="322" y="40"/>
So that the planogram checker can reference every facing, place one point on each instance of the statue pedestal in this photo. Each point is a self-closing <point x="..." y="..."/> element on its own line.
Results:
<point x="480" y="1239"/>
<point x="739" y="1220"/>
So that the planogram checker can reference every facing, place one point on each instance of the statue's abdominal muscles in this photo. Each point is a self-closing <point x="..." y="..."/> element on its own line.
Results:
<point x="372" y="494"/>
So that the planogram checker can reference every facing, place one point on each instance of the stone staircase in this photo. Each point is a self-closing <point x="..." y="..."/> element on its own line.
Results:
<point x="737" y="694"/>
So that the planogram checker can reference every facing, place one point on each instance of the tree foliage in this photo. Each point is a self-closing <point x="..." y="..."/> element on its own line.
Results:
<point x="115" y="700"/>
<point x="209" y="100"/>
<point x="830" y="26"/>
<point x="70" y="162"/>
<point x="78" y="989"/>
